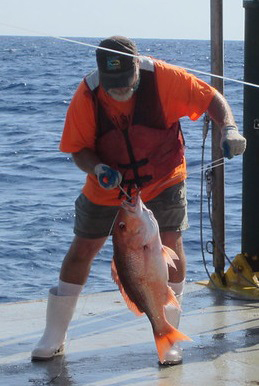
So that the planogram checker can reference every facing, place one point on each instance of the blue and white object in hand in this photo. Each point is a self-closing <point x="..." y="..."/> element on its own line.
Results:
<point x="232" y="143"/>
<point x="108" y="178"/>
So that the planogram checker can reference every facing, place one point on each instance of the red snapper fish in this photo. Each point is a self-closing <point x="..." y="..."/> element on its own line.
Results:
<point x="140" y="269"/>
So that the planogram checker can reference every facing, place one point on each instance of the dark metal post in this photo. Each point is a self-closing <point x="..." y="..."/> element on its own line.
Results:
<point x="218" y="191"/>
<point x="250" y="214"/>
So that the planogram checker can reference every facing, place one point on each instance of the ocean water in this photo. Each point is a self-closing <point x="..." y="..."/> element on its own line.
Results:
<point x="38" y="184"/>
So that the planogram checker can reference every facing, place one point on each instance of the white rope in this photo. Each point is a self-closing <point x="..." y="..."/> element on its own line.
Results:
<point x="222" y="77"/>
<point x="67" y="40"/>
<point x="212" y="165"/>
<point x="124" y="53"/>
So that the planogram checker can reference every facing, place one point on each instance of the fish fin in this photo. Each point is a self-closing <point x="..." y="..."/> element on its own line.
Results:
<point x="115" y="273"/>
<point x="170" y="256"/>
<point x="165" y="341"/>
<point x="172" y="298"/>
<point x="131" y="305"/>
<point x="171" y="253"/>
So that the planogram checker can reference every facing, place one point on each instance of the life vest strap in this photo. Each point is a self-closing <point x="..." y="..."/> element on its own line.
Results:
<point x="135" y="164"/>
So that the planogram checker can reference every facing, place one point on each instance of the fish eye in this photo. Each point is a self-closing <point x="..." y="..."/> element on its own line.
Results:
<point x="121" y="225"/>
<point x="145" y="247"/>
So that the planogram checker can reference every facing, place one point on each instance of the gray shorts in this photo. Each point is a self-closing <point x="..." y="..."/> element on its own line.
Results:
<point x="169" y="207"/>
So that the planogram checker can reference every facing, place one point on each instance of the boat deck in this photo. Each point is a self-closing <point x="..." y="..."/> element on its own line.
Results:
<point x="108" y="345"/>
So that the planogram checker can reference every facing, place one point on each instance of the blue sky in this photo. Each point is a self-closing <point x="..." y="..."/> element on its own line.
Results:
<point x="172" y="19"/>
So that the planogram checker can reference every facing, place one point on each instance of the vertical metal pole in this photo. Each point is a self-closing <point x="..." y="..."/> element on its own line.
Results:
<point x="250" y="218"/>
<point x="218" y="191"/>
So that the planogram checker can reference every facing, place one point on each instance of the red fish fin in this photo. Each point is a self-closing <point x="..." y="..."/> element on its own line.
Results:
<point x="165" y="342"/>
<point x="170" y="256"/>
<point x="132" y="306"/>
<point x="172" y="298"/>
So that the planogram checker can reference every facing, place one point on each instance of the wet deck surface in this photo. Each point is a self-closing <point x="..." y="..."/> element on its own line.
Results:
<point x="108" y="345"/>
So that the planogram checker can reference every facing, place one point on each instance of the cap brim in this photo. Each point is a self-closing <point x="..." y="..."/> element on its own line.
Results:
<point x="123" y="79"/>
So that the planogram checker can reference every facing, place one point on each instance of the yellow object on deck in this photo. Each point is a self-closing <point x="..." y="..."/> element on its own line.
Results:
<point x="239" y="280"/>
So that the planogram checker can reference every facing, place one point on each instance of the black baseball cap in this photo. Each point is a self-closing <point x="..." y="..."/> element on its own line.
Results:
<point x="115" y="69"/>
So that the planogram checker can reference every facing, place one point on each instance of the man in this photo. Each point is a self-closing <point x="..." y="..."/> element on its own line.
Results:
<point x="122" y="128"/>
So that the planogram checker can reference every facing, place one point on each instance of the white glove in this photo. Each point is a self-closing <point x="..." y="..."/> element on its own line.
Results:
<point x="232" y="143"/>
<point x="108" y="178"/>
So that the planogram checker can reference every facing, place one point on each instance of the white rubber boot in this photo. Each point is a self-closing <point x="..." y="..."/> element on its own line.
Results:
<point x="60" y="310"/>
<point x="174" y="355"/>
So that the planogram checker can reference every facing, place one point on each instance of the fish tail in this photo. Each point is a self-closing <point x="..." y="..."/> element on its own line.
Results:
<point x="164" y="342"/>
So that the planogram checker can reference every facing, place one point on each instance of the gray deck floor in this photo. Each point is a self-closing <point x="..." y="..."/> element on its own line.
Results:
<point x="108" y="345"/>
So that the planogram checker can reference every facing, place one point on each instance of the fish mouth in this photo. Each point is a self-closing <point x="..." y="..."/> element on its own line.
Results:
<point x="132" y="204"/>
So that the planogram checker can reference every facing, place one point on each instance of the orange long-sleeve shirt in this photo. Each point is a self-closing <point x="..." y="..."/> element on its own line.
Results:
<point x="181" y="94"/>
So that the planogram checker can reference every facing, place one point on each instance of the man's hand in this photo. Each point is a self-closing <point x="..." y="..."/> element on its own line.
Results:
<point x="232" y="143"/>
<point x="108" y="178"/>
